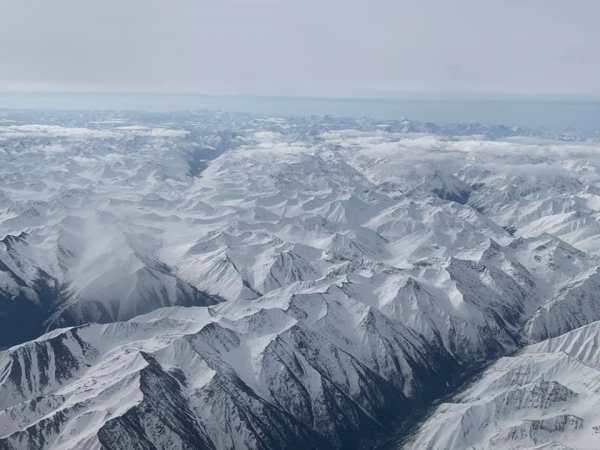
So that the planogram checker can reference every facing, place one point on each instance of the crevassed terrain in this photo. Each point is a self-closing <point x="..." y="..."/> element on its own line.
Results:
<point x="338" y="275"/>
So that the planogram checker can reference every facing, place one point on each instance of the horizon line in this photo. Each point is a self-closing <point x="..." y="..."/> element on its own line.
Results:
<point x="421" y="96"/>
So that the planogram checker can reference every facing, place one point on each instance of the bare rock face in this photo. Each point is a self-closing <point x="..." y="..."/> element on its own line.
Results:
<point x="543" y="397"/>
<point x="205" y="378"/>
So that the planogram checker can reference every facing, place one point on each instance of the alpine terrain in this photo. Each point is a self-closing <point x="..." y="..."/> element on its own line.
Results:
<point x="211" y="280"/>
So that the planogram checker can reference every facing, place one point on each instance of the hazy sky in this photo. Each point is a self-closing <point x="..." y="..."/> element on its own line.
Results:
<point x="301" y="47"/>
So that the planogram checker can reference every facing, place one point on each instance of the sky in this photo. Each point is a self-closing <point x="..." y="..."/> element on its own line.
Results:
<point x="321" y="48"/>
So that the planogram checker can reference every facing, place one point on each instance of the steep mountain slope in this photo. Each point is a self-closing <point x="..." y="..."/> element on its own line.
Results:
<point x="306" y="367"/>
<point x="546" y="396"/>
<point x="60" y="279"/>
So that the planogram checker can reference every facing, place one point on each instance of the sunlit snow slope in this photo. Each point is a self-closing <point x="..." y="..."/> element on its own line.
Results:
<point x="546" y="396"/>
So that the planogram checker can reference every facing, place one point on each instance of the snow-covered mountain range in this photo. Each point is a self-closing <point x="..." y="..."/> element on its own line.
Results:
<point x="216" y="280"/>
<point x="545" y="396"/>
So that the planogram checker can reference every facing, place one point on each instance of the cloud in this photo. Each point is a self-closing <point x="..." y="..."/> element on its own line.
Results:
<point x="33" y="130"/>
<point x="395" y="155"/>
<point x="22" y="131"/>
